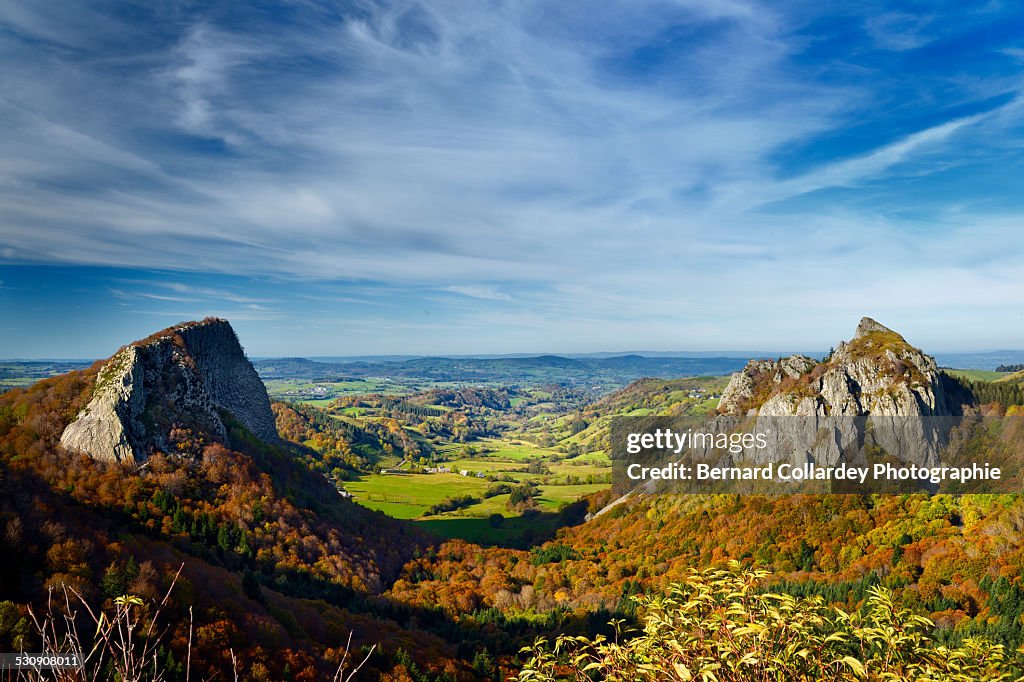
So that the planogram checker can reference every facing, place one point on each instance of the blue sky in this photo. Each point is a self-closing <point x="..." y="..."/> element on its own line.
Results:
<point x="405" y="177"/>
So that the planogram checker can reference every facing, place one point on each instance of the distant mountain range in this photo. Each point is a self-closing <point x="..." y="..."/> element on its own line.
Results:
<point x="982" y="360"/>
<point x="607" y="369"/>
<point x="591" y="372"/>
<point x="987" y="360"/>
<point x="746" y="354"/>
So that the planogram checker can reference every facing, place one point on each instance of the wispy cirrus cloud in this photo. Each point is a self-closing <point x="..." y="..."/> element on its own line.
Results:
<point x="900" y="31"/>
<point x="485" y="293"/>
<point x="641" y="161"/>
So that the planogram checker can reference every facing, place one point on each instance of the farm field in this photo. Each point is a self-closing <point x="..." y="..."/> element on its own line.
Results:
<point x="976" y="374"/>
<point x="515" y="450"/>
<point x="494" y="462"/>
<point x="552" y="497"/>
<point x="408" y="496"/>
<point x="321" y="393"/>
<point x="596" y="457"/>
<point x="479" y="523"/>
<point x="18" y="374"/>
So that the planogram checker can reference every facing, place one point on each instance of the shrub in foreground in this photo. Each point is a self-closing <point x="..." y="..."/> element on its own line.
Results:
<point x="718" y="625"/>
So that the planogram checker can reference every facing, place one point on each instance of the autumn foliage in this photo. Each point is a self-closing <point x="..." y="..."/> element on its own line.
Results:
<point x="717" y="625"/>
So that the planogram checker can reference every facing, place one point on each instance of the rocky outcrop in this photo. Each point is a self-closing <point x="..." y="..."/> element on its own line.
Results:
<point x="760" y="378"/>
<point x="875" y="391"/>
<point x="876" y="373"/>
<point x="229" y="377"/>
<point x="178" y="381"/>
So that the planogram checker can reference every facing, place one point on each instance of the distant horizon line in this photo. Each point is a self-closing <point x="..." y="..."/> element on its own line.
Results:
<point x="705" y="354"/>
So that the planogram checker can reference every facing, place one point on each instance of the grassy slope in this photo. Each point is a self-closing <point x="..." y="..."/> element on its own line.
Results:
<point x="977" y="374"/>
<point x="407" y="496"/>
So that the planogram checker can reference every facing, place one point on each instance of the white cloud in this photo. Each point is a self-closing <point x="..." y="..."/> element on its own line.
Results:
<point x="481" y="292"/>
<point x="429" y="147"/>
<point x="613" y="164"/>
<point x="849" y="172"/>
<point x="206" y="58"/>
<point x="899" y="31"/>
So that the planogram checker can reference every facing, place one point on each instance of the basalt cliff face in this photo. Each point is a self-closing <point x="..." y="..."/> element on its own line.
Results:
<point x="178" y="380"/>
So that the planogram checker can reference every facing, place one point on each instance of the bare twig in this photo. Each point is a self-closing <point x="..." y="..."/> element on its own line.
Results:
<point x="122" y="639"/>
<point x="188" y="658"/>
<point x="340" y="674"/>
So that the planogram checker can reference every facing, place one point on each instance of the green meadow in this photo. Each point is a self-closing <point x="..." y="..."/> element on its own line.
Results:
<point x="976" y="374"/>
<point x="320" y="393"/>
<point x="408" y="496"/>
<point x="559" y="481"/>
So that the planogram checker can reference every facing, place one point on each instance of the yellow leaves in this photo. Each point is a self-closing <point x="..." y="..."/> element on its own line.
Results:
<point x="707" y="672"/>
<point x="749" y="658"/>
<point x="717" y="626"/>
<point x="100" y="622"/>
<point x="856" y="666"/>
<point x="752" y="629"/>
<point x="128" y="600"/>
<point x="682" y="671"/>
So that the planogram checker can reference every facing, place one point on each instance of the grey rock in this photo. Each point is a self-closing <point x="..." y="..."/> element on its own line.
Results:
<point x="743" y="385"/>
<point x="108" y="426"/>
<point x="877" y="388"/>
<point x="180" y="378"/>
<point x="878" y="373"/>
<point x="868" y="325"/>
<point x="230" y="379"/>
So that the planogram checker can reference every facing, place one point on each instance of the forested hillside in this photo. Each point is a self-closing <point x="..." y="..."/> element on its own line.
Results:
<point x="277" y="568"/>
